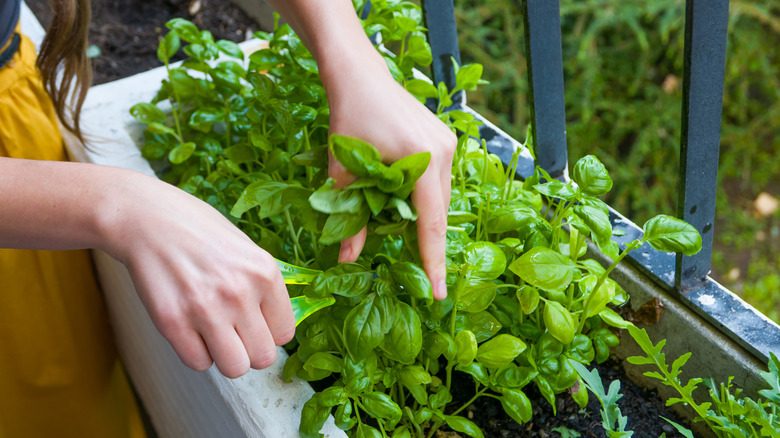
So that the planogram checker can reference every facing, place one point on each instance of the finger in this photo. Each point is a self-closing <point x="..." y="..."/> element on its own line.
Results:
<point x="228" y="350"/>
<point x="351" y="247"/>
<point x="432" y="230"/>
<point x="277" y="312"/>
<point x="259" y="343"/>
<point x="191" y="349"/>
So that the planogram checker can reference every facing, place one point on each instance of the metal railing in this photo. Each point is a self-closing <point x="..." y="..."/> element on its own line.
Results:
<point x="704" y="66"/>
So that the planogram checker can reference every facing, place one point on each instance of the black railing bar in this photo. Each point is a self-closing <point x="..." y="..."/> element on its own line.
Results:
<point x="544" y="55"/>
<point x="706" y="28"/>
<point x="439" y="16"/>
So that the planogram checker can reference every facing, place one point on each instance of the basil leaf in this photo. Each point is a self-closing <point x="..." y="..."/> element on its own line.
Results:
<point x="322" y="360"/>
<point x="561" y="324"/>
<point x="357" y="156"/>
<point x="486" y="260"/>
<point x="413" y="280"/>
<point x="477" y="371"/>
<point x="510" y="217"/>
<point x="366" y="325"/>
<point x="181" y="153"/>
<point x="500" y="351"/>
<point x="460" y="424"/>
<point x="666" y="233"/>
<point x="340" y="226"/>
<point x="597" y="222"/>
<point x="516" y="404"/>
<point x="529" y="298"/>
<point x="466" y="344"/>
<point x="544" y="268"/>
<point x="404" y="341"/>
<point x="313" y="417"/>
<point x="591" y="176"/>
<point x="230" y="48"/>
<point x="147" y="113"/>
<point x="168" y="47"/>
<point x="478" y="297"/>
<point x="556" y="189"/>
<point x="346" y="279"/>
<point x="380" y="405"/>
<point x="327" y="199"/>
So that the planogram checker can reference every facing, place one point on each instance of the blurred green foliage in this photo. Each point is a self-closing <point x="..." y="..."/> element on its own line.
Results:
<point x="623" y="64"/>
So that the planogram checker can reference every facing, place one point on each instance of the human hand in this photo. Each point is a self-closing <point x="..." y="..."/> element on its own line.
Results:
<point x="367" y="103"/>
<point x="211" y="292"/>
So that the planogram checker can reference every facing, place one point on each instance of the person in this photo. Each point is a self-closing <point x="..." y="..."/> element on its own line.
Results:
<point x="214" y="294"/>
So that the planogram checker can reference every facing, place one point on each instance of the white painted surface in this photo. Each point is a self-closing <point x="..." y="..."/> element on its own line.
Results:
<point x="181" y="402"/>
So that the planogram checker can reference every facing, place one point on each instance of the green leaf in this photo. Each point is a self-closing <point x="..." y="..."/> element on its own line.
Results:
<point x="168" y="47"/>
<point x="376" y="199"/>
<point x="273" y="197"/>
<point x="159" y="128"/>
<point x="303" y="306"/>
<point x="340" y="226"/>
<point x="612" y="318"/>
<point x="591" y="176"/>
<point x="466" y="344"/>
<point x="230" y="48"/>
<point x="186" y="30"/>
<point x="556" y="189"/>
<point x="561" y="324"/>
<point x="346" y="279"/>
<point x="413" y="280"/>
<point x="500" y="351"/>
<point x="366" y="431"/>
<point x="380" y="405"/>
<point x="462" y="425"/>
<point x="511" y="217"/>
<point x="486" y="261"/>
<point x="147" y="113"/>
<point x="680" y="428"/>
<point x="322" y="360"/>
<point x="329" y="200"/>
<point x="313" y="417"/>
<point x="420" y="89"/>
<point x="366" y="325"/>
<point x="597" y="300"/>
<point x="597" y="222"/>
<point x="516" y="404"/>
<point x="404" y="341"/>
<point x="544" y="268"/>
<point x="477" y="297"/>
<point x="181" y="153"/>
<point x="469" y="76"/>
<point x="357" y="156"/>
<point x="666" y="233"/>
<point x="202" y="119"/>
<point x="529" y="298"/>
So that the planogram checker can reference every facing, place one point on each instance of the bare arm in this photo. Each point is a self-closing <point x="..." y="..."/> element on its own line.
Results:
<point x="366" y="102"/>
<point x="211" y="291"/>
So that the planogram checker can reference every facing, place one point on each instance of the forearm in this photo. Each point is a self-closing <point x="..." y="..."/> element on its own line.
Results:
<point x="55" y="205"/>
<point x="333" y="33"/>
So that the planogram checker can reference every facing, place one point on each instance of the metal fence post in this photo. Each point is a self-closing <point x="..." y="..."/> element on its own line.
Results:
<point x="443" y="38"/>
<point x="706" y="27"/>
<point x="544" y="55"/>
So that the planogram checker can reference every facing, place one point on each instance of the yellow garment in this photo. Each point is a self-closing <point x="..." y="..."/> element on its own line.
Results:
<point x="59" y="371"/>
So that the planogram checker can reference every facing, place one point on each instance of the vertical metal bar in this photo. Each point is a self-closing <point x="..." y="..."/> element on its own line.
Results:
<point x="545" y="77"/>
<point x="443" y="38"/>
<point x="706" y="27"/>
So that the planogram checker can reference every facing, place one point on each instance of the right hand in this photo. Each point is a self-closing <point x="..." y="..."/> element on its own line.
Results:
<point x="210" y="290"/>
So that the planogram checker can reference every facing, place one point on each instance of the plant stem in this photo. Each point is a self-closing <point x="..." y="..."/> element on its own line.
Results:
<point x="473" y="399"/>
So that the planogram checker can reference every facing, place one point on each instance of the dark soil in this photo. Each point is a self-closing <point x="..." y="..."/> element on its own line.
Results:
<point x="127" y="33"/>
<point x="642" y="407"/>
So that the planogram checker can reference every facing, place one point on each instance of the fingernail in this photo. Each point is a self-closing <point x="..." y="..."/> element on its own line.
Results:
<point x="345" y="252"/>
<point x="440" y="290"/>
